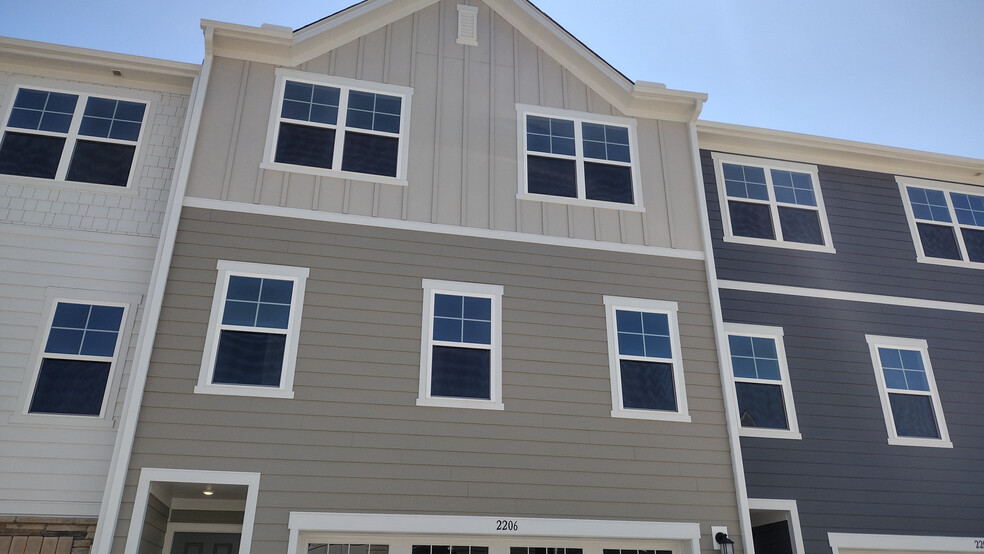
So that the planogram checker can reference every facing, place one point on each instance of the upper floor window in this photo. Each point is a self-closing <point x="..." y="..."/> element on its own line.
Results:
<point x="910" y="400"/>
<point x="946" y="220"/>
<point x="71" y="137"/>
<point x="645" y="360"/>
<point x="251" y="345"/>
<point x="771" y="203"/>
<point x="461" y="360"/>
<point x="762" y="387"/>
<point x="339" y="127"/>
<point x="81" y="347"/>
<point x="577" y="158"/>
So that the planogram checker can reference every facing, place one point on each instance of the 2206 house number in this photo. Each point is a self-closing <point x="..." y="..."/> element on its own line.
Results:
<point x="506" y="525"/>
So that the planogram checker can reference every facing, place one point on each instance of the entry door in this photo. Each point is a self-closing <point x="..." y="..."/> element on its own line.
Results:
<point x="205" y="543"/>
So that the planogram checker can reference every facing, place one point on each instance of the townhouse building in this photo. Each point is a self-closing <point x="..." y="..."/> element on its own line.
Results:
<point x="852" y="299"/>
<point x="436" y="284"/>
<point x="87" y="149"/>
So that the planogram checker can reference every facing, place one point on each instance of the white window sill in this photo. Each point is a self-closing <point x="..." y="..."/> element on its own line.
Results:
<point x="467" y="403"/>
<point x="568" y="201"/>
<point x="952" y="263"/>
<point x="769" y="433"/>
<point x="129" y="190"/>
<point x="772" y="243"/>
<point x="654" y="415"/>
<point x="62" y="420"/>
<point x="925" y="443"/>
<point x="367" y="177"/>
<point x="244" y="390"/>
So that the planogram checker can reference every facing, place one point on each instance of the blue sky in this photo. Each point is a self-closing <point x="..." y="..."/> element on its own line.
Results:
<point x="907" y="73"/>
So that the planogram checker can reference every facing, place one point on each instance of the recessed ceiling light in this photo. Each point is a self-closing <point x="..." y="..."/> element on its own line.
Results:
<point x="208" y="491"/>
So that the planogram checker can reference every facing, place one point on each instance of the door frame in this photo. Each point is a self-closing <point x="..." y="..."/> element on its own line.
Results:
<point x="180" y="527"/>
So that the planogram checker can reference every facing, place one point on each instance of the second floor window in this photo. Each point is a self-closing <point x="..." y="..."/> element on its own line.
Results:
<point x="947" y="221"/>
<point x="341" y="127"/>
<point x="71" y="137"/>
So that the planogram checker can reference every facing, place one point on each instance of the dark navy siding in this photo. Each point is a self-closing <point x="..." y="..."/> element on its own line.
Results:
<point x="875" y="253"/>
<point x="843" y="474"/>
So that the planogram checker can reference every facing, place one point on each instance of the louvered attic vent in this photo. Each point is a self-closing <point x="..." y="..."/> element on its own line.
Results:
<point x="467" y="25"/>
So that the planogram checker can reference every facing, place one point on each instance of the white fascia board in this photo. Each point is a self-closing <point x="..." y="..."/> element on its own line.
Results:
<point x="841" y="543"/>
<point x="768" y="143"/>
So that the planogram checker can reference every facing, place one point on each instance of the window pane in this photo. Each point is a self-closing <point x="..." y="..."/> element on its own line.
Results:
<point x="106" y="318"/>
<point x="552" y="176"/>
<point x="70" y="387"/>
<point x="800" y="225"/>
<point x="928" y="204"/>
<point x="277" y="291"/>
<point x="793" y="188"/>
<point x="99" y="343"/>
<point x="246" y="358"/>
<point x="115" y="119"/>
<point x="43" y="110"/>
<point x="751" y="220"/>
<point x="974" y="241"/>
<point x="761" y="405"/>
<point x="30" y="155"/>
<point x="608" y="183"/>
<point x="605" y="142"/>
<point x="554" y="136"/>
<point x="647" y="385"/>
<point x="304" y="145"/>
<point x="913" y="415"/>
<point x="745" y="182"/>
<point x="461" y="372"/>
<point x="372" y="154"/>
<point x="377" y="112"/>
<point x="938" y="241"/>
<point x="101" y="163"/>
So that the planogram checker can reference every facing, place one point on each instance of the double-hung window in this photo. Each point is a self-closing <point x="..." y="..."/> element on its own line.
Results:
<point x="947" y="221"/>
<point x="910" y="400"/>
<point x="761" y="375"/>
<point x="251" y="345"/>
<point x="771" y="203"/>
<point x="71" y="137"/>
<point x="645" y="360"/>
<point x="81" y="347"/>
<point x="576" y="157"/>
<point x="339" y="127"/>
<point x="461" y="358"/>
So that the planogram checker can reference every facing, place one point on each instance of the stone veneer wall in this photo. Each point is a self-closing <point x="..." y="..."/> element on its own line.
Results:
<point x="45" y="535"/>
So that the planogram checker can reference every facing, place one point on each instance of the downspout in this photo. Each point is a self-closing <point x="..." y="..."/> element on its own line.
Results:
<point x="727" y="383"/>
<point x="113" y="495"/>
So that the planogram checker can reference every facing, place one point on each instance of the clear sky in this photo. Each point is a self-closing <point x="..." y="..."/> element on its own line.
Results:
<point x="906" y="73"/>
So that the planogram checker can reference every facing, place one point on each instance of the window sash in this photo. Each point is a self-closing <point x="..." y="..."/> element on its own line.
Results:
<point x="954" y="224"/>
<point x="776" y="335"/>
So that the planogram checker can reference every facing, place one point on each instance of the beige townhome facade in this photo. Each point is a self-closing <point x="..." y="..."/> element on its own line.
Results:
<point x="433" y="281"/>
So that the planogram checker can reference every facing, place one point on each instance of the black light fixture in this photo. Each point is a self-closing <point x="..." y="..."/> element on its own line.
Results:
<point x="722" y="541"/>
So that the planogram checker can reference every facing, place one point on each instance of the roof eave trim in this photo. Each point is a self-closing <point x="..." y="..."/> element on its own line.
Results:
<point x="44" y="50"/>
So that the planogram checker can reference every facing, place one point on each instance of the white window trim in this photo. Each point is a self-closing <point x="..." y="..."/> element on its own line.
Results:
<point x="722" y="158"/>
<point x="493" y="292"/>
<point x="851" y="543"/>
<point x="524" y="110"/>
<point x="72" y="136"/>
<point x="150" y="475"/>
<point x="946" y="188"/>
<point x="788" y="506"/>
<point x="669" y="308"/>
<point x="407" y="529"/>
<point x="776" y="334"/>
<point x="270" y="148"/>
<point x="128" y="302"/>
<point x="226" y="269"/>
<point x="922" y="346"/>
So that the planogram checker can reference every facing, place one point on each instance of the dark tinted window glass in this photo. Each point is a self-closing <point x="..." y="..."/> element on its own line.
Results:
<point x="70" y="387"/>
<point x="800" y="225"/>
<point x="938" y="241"/>
<point x="608" y="183"/>
<point x="761" y="405"/>
<point x="303" y="145"/>
<point x="373" y="154"/>
<point x="974" y="241"/>
<point x="551" y="176"/>
<point x="246" y="358"/>
<point x="30" y="155"/>
<point x="647" y="385"/>
<point x="772" y="538"/>
<point x="43" y="110"/>
<point x="914" y="416"/>
<point x="101" y="162"/>
<point x="461" y="372"/>
<point x="751" y="220"/>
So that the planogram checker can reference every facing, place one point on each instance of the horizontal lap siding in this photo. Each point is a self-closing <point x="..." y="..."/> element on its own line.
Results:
<point x="844" y="475"/>
<point x="875" y="253"/>
<point x="353" y="439"/>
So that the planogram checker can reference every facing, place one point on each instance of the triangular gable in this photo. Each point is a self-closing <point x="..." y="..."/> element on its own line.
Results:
<point x="281" y="46"/>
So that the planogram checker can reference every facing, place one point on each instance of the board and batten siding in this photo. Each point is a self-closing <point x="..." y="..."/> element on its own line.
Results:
<point x="874" y="249"/>
<point x="843" y="474"/>
<point x="463" y="158"/>
<point x="73" y="241"/>
<point x="353" y="439"/>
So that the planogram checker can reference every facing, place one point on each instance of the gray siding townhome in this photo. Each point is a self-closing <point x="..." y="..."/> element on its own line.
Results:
<point x="436" y="283"/>
<point x="851" y="285"/>
<point x="88" y="145"/>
